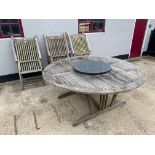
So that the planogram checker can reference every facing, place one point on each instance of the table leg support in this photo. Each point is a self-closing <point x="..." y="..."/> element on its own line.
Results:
<point x="66" y="95"/>
<point x="113" y="99"/>
<point x="87" y="117"/>
<point x="87" y="97"/>
<point x="103" y="104"/>
<point x="97" y="106"/>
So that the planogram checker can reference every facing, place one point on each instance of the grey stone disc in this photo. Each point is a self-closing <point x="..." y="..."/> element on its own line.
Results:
<point x="92" y="66"/>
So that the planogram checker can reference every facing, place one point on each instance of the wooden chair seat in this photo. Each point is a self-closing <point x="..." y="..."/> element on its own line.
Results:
<point x="30" y="66"/>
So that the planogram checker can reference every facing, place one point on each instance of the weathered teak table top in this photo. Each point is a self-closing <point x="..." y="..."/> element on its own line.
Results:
<point x="123" y="76"/>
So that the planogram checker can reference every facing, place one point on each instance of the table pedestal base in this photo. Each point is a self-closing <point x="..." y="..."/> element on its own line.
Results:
<point x="101" y="106"/>
<point x="89" y="116"/>
<point x="66" y="95"/>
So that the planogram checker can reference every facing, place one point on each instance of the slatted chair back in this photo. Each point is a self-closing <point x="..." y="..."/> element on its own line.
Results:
<point x="57" y="48"/>
<point x="80" y="44"/>
<point x="27" y="55"/>
<point x="69" y="44"/>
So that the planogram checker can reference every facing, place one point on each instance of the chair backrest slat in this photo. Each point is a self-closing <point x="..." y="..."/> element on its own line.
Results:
<point x="56" y="47"/>
<point x="26" y="49"/>
<point x="27" y="54"/>
<point x="80" y="44"/>
<point x="69" y="43"/>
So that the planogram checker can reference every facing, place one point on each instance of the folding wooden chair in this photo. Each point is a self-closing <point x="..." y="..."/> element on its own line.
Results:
<point x="79" y="44"/>
<point x="57" y="47"/>
<point x="27" y="55"/>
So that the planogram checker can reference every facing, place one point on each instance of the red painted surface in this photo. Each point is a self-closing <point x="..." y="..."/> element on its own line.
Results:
<point x="19" y="23"/>
<point x="138" y="37"/>
<point x="91" y="21"/>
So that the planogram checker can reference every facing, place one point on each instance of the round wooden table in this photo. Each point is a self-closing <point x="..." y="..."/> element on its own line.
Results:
<point x="122" y="77"/>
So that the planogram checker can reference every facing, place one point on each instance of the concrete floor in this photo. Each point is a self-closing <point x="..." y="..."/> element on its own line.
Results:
<point x="38" y="111"/>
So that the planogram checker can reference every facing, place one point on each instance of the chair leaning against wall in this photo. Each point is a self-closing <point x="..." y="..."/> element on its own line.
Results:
<point x="28" y="58"/>
<point x="78" y="44"/>
<point x="56" y="47"/>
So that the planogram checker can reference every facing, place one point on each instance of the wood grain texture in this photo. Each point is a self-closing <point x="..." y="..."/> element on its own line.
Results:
<point x="27" y="55"/>
<point x="123" y="76"/>
<point x="79" y="45"/>
<point x="57" y="47"/>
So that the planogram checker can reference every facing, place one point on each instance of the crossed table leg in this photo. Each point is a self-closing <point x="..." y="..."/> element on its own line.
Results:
<point x="101" y="106"/>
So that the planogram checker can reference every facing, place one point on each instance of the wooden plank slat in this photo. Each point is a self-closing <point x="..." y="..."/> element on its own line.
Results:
<point x="56" y="47"/>
<point x="123" y="76"/>
<point x="80" y="45"/>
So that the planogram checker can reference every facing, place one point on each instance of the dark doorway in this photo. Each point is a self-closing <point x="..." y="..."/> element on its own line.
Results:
<point x="138" y="37"/>
<point x="151" y="45"/>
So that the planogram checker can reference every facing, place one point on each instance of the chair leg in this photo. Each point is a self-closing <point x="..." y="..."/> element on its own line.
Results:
<point x="21" y="81"/>
<point x="43" y="81"/>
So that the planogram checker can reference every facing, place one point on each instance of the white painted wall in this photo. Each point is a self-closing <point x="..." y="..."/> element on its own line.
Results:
<point x="148" y="32"/>
<point x="33" y="27"/>
<point x="7" y="62"/>
<point x="116" y="40"/>
<point x="49" y="27"/>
